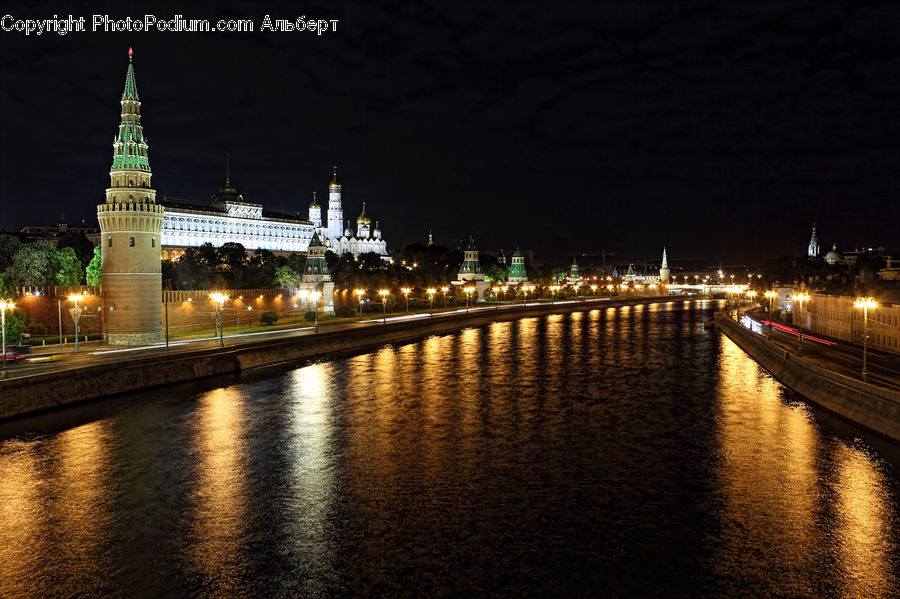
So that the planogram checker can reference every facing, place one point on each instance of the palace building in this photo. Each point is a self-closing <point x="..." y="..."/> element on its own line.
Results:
<point x="227" y="218"/>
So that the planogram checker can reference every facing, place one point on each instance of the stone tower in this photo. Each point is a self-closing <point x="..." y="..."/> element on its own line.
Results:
<point x="517" y="268"/>
<point x="335" y="212"/>
<point x="664" y="269"/>
<point x="470" y="270"/>
<point x="574" y="276"/>
<point x="130" y="226"/>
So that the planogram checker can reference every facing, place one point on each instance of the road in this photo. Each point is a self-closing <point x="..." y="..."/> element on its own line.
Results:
<point x="46" y="360"/>
<point x="843" y="357"/>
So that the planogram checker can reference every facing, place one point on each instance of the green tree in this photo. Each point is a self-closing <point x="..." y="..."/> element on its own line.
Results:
<point x="286" y="277"/>
<point x="92" y="272"/>
<point x="15" y="324"/>
<point x="67" y="267"/>
<point x="496" y="274"/>
<point x="33" y="264"/>
<point x="9" y="245"/>
<point x="79" y="242"/>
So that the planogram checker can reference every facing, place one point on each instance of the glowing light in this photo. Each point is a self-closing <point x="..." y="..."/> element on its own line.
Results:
<point x="865" y="302"/>
<point x="219" y="298"/>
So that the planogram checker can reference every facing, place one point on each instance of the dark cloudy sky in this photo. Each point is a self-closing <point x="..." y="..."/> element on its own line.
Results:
<point x="719" y="129"/>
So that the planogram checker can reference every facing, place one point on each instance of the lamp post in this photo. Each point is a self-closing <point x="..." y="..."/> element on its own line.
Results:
<point x="59" y="307"/>
<point x="405" y="292"/>
<point x="76" y="299"/>
<point x="444" y="290"/>
<point x="4" y="306"/>
<point x="314" y="296"/>
<point x="865" y="303"/>
<point x="468" y="291"/>
<point x="384" y="293"/>
<point x="771" y="295"/>
<point x="553" y="290"/>
<point x="219" y="300"/>
<point x="359" y="295"/>
<point x="801" y="297"/>
<point x="431" y="293"/>
<point x="752" y="296"/>
<point x="496" y="291"/>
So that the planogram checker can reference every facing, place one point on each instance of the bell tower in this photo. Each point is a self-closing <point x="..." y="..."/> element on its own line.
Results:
<point x="335" y="212"/>
<point x="130" y="227"/>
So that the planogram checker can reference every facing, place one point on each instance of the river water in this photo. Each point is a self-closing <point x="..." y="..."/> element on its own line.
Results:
<point x="618" y="452"/>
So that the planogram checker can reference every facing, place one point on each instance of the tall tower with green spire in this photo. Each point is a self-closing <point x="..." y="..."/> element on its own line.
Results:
<point x="574" y="276"/>
<point x="131" y="226"/>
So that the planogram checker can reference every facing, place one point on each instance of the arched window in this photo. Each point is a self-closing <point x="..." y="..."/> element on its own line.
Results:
<point x="109" y="242"/>
<point x="153" y="242"/>
<point x="131" y="242"/>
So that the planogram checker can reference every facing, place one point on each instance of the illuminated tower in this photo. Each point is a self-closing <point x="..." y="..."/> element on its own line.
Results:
<point x="315" y="214"/>
<point x="335" y="212"/>
<point x="574" y="277"/>
<point x="130" y="226"/>
<point x="517" y="268"/>
<point x="362" y="224"/>
<point x="813" y="251"/>
<point x="664" y="269"/>
<point x="470" y="270"/>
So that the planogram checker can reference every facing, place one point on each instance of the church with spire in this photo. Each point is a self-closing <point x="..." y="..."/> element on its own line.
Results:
<point x="340" y="240"/>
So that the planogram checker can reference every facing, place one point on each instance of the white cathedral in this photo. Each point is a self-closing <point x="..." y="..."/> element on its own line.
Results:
<point x="340" y="239"/>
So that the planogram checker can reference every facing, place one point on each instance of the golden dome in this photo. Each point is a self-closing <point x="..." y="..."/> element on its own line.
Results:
<point x="334" y="181"/>
<point x="363" y="218"/>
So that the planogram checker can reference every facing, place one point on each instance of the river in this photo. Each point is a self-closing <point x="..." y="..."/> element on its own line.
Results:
<point x="616" y="452"/>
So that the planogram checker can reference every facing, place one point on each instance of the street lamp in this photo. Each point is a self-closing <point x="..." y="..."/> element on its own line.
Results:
<point x="405" y="292"/>
<point x="431" y="292"/>
<point x="76" y="299"/>
<point x="314" y="296"/>
<point x="359" y="295"/>
<point x="384" y="293"/>
<point x="861" y="302"/>
<point x="4" y="306"/>
<point x="801" y="297"/>
<point x="553" y="290"/>
<point x="771" y="295"/>
<point x="219" y="300"/>
<point x="444" y="291"/>
<point x="468" y="291"/>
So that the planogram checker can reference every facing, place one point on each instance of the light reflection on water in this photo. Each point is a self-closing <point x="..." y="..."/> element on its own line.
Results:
<point x="625" y="450"/>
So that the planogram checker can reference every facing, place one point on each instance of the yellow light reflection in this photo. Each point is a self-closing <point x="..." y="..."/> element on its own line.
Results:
<point x="220" y="494"/>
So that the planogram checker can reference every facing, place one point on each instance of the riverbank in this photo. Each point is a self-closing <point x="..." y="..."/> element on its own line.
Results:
<point x="46" y="391"/>
<point x="870" y="406"/>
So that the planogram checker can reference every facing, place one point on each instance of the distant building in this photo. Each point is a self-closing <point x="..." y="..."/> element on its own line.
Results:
<point x="227" y="218"/>
<point x="55" y="233"/>
<point x="517" y="269"/>
<point x="834" y="315"/>
<point x="833" y="256"/>
<point x="573" y="277"/>
<point x="664" y="269"/>
<point x="342" y="241"/>
<point x="813" y="249"/>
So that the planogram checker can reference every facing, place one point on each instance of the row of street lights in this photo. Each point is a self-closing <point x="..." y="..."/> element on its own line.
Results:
<point x="861" y="302"/>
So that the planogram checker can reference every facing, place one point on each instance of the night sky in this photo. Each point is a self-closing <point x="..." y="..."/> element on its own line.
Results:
<point x="718" y="129"/>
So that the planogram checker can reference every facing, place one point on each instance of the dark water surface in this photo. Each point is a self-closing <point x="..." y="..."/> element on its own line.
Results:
<point x="624" y="451"/>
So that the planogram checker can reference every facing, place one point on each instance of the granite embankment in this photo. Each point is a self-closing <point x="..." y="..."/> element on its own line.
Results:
<point x="30" y="394"/>
<point x="869" y="406"/>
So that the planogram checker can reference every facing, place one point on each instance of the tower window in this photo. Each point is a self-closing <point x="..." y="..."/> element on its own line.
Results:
<point x="109" y="242"/>
<point x="131" y="242"/>
<point x="153" y="242"/>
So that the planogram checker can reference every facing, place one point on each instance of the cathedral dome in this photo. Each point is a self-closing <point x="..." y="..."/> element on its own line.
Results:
<point x="363" y="218"/>
<point x="334" y="180"/>
<point x="834" y="256"/>
<point x="314" y="204"/>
